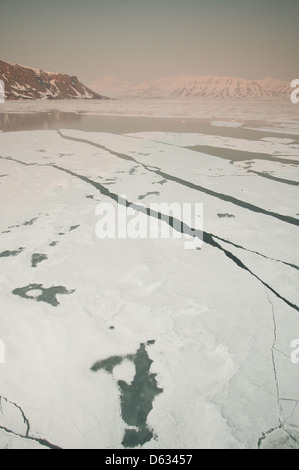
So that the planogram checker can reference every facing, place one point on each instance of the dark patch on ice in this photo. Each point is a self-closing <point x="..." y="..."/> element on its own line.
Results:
<point x="37" y="258"/>
<point x="30" y="222"/>
<point x="108" y="364"/>
<point x="112" y="327"/>
<point x="61" y="234"/>
<point x="74" y="227"/>
<point x="247" y="165"/>
<point x="265" y="174"/>
<point x="155" y="193"/>
<point x="90" y="197"/>
<point x="48" y="295"/>
<point x="136" y="398"/>
<point x="133" y="170"/>
<point x="240" y="155"/>
<point x="6" y="231"/>
<point x="162" y="182"/>
<point x="8" y="253"/>
<point x="42" y="150"/>
<point x="134" y="438"/>
<point x="53" y="243"/>
<point x="229" y="216"/>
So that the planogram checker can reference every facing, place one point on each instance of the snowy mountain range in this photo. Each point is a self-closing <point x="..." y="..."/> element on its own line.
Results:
<point x="23" y="82"/>
<point x="193" y="86"/>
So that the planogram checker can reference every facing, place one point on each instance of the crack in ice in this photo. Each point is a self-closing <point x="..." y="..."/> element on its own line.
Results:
<point x="282" y="421"/>
<point x="27" y="435"/>
<point x="188" y="184"/>
<point x="172" y="222"/>
<point x="273" y="357"/>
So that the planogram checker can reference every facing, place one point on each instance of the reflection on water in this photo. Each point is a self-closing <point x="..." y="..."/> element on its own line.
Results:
<point x="37" y="121"/>
<point x="54" y="120"/>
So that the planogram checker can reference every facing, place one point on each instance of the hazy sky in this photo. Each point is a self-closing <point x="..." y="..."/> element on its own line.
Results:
<point x="147" y="39"/>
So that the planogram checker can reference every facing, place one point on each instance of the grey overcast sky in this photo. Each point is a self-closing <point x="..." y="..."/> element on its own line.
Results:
<point x="146" y="39"/>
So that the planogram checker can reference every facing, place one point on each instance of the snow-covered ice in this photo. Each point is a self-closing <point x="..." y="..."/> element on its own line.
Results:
<point x="205" y="333"/>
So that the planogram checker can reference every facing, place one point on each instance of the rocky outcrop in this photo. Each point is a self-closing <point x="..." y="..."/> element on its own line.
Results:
<point x="33" y="84"/>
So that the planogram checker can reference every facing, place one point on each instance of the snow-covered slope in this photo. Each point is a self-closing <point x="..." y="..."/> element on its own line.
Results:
<point x="192" y="86"/>
<point x="228" y="87"/>
<point x="28" y="83"/>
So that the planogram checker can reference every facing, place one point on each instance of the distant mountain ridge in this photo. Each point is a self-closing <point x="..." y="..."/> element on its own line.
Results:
<point x="23" y="82"/>
<point x="193" y="86"/>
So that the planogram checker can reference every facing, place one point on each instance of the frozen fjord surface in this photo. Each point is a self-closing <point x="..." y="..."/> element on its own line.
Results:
<point x="198" y="167"/>
<point x="222" y="338"/>
<point x="274" y="146"/>
<point x="281" y="113"/>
